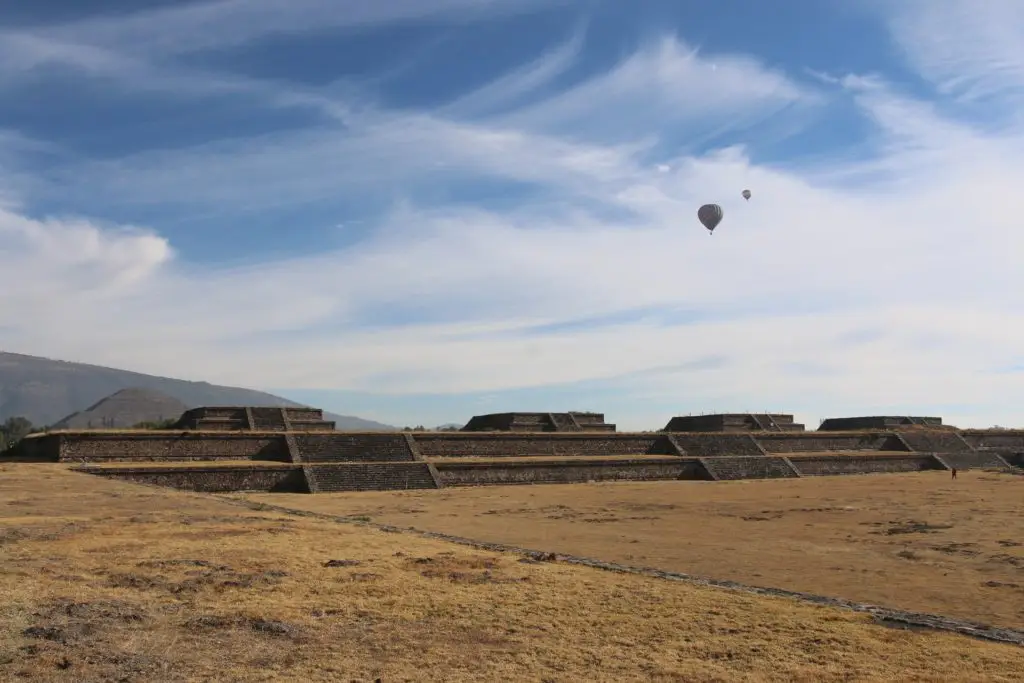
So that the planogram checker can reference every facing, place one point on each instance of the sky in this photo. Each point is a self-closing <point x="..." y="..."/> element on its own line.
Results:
<point x="415" y="211"/>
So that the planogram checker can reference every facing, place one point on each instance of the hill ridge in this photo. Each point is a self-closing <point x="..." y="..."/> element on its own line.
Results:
<point x="47" y="391"/>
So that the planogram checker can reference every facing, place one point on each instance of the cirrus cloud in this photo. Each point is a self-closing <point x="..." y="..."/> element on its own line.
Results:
<point x="536" y="234"/>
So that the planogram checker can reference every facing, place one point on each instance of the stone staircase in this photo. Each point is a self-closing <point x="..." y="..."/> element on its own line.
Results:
<point x="749" y="467"/>
<point x="374" y="476"/>
<point x="341" y="448"/>
<point x="563" y="422"/>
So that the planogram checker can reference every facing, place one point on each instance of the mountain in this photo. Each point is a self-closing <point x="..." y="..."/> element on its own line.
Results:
<point x="45" y="391"/>
<point x="124" y="408"/>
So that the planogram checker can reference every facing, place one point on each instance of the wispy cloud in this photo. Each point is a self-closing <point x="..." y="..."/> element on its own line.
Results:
<point x="219" y="24"/>
<point x="567" y="140"/>
<point x="511" y="88"/>
<point x="665" y="85"/>
<point x="549" y="195"/>
<point x="971" y="51"/>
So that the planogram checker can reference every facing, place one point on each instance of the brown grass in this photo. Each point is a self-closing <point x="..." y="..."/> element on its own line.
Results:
<point x="912" y="541"/>
<point x="105" y="581"/>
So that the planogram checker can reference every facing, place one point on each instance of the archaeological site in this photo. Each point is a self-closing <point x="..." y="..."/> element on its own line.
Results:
<point x="224" y="449"/>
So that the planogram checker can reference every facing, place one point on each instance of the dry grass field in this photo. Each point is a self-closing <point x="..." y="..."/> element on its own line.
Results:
<point x="912" y="541"/>
<point x="108" y="581"/>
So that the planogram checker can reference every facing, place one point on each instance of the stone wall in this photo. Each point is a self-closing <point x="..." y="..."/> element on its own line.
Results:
<point x="367" y="446"/>
<point x="934" y="441"/>
<point x="214" y="418"/>
<point x="567" y="471"/>
<point x="371" y="477"/>
<point x="215" y="425"/>
<point x="594" y="421"/>
<point x="215" y="412"/>
<point x="153" y="446"/>
<point x="236" y="418"/>
<point x="814" y="442"/>
<point x="304" y="414"/>
<point x="307" y="420"/>
<point x="455" y="445"/>
<point x="417" y="475"/>
<point x="323" y="448"/>
<point x="839" y="424"/>
<point x="1011" y="440"/>
<point x="971" y="461"/>
<point x="710" y="445"/>
<point x="748" y="467"/>
<point x="734" y="422"/>
<point x="538" y="422"/>
<point x="211" y="479"/>
<point x="810" y="465"/>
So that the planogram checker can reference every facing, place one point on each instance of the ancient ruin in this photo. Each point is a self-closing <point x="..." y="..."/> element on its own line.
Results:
<point x="235" y="418"/>
<point x="295" y="450"/>
<point x="734" y="422"/>
<point x="539" y="422"/>
<point x="838" y="424"/>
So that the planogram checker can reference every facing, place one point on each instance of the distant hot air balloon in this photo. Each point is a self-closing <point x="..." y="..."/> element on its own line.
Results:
<point x="746" y="194"/>
<point x="710" y="215"/>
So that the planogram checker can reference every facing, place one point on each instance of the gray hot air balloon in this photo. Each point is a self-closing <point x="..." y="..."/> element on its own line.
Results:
<point x="710" y="215"/>
<point x="746" y="194"/>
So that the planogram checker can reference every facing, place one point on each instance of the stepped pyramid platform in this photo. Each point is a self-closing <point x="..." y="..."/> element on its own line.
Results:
<point x="253" y="419"/>
<point x="285" y="449"/>
<point x="734" y="422"/>
<point x="838" y="424"/>
<point x="539" y="422"/>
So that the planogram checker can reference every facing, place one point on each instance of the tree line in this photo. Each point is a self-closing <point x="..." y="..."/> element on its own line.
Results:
<point x="14" y="429"/>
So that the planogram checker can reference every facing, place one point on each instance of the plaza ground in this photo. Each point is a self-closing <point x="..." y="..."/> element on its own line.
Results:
<point x="917" y="541"/>
<point x="107" y="580"/>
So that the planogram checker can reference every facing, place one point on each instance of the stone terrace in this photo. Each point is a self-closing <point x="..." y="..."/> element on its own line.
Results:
<point x="145" y="445"/>
<point x="370" y="477"/>
<point x="286" y="449"/>
<point x="338" y="448"/>
<point x="734" y="422"/>
<point x="241" y="418"/>
<point x="840" y="424"/>
<point x="539" y="422"/>
<point x="751" y="467"/>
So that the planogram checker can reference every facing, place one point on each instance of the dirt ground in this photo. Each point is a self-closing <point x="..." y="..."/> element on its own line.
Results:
<point x="916" y="541"/>
<point x="103" y="580"/>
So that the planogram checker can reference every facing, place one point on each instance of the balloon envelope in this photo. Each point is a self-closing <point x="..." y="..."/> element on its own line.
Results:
<point x="746" y="194"/>
<point x="710" y="215"/>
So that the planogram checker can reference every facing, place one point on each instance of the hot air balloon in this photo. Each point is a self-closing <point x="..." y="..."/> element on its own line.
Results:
<point x="746" y="194"/>
<point x="710" y="215"/>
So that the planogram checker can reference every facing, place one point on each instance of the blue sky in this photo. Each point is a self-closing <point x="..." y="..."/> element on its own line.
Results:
<point x="420" y="210"/>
